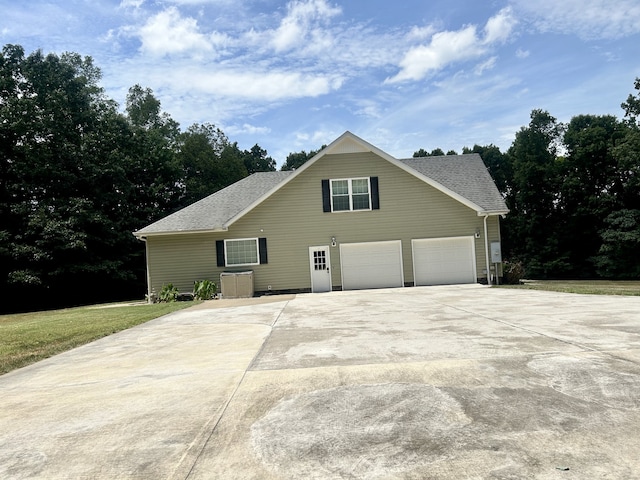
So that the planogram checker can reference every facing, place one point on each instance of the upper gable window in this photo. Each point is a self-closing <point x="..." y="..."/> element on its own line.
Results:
<point x="350" y="194"/>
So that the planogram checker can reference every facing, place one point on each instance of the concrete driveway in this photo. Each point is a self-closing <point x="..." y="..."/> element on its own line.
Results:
<point x="415" y="383"/>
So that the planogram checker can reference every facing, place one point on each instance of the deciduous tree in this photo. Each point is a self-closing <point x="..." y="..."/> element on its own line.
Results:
<point x="297" y="159"/>
<point x="531" y="226"/>
<point x="64" y="186"/>
<point x="209" y="162"/>
<point x="589" y="189"/>
<point x="258" y="160"/>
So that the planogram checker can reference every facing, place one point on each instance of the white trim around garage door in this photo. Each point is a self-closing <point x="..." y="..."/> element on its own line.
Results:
<point x="444" y="261"/>
<point x="371" y="265"/>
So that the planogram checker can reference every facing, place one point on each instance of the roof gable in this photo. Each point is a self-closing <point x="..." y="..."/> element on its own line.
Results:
<point x="462" y="177"/>
<point x="345" y="143"/>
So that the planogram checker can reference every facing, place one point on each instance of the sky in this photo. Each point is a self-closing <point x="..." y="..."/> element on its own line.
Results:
<point x="401" y="74"/>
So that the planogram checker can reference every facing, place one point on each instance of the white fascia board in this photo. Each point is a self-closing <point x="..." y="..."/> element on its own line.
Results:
<point x="141" y="235"/>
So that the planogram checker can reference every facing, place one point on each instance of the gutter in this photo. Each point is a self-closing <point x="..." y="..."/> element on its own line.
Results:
<point x="142" y="235"/>
<point x="484" y="213"/>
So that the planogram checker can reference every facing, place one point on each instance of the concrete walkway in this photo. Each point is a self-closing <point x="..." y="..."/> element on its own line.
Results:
<point x="431" y="382"/>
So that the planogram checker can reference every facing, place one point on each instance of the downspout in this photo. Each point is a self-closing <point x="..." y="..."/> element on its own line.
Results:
<point x="146" y="258"/>
<point x="486" y="249"/>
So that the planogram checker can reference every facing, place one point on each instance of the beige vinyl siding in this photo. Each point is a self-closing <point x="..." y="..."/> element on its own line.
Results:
<point x="181" y="260"/>
<point x="292" y="220"/>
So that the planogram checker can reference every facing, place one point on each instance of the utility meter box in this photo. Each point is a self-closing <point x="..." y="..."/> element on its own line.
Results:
<point x="496" y="252"/>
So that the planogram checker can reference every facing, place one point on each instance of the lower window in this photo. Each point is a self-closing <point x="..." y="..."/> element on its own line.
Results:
<point x="242" y="252"/>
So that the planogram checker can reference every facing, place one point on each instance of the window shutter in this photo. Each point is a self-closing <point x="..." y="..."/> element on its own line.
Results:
<point x="326" y="196"/>
<point x="262" y="247"/>
<point x="375" y="196"/>
<point x="220" y="253"/>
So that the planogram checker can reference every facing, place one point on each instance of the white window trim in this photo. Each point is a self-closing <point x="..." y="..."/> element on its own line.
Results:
<point x="226" y="252"/>
<point x="350" y="194"/>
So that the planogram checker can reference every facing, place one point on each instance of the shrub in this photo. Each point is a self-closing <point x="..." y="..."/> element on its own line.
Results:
<point x="204" y="290"/>
<point x="513" y="272"/>
<point x="169" y="293"/>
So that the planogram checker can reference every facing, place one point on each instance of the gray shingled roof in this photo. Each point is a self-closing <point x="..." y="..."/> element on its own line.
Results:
<point x="465" y="175"/>
<point x="214" y="211"/>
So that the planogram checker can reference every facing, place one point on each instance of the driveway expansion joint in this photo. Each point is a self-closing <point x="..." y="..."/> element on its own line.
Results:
<point x="230" y="399"/>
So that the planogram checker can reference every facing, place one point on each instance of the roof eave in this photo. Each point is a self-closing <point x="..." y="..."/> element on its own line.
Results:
<point x="140" y="234"/>
<point x="491" y="213"/>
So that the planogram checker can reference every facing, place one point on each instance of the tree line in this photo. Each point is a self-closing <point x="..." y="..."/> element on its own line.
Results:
<point x="573" y="191"/>
<point x="78" y="175"/>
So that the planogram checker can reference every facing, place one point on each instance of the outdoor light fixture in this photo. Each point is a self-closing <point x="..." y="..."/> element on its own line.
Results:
<point x="477" y="233"/>
<point x="333" y="241"/>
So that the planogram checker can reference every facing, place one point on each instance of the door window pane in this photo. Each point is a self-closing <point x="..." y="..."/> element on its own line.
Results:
<point x="320" y="260"/>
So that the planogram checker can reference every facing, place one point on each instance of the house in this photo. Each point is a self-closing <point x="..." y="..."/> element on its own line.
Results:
<point x="352" y="217"/>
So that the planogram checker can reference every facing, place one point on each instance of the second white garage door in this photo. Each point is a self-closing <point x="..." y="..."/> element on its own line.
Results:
<point x="444" y="261"/>
<point x="371" y="265"/>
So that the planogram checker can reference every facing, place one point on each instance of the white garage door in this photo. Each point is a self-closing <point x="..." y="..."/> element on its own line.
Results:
<point x="371" y="265"/>
<point x="444" y="261"/>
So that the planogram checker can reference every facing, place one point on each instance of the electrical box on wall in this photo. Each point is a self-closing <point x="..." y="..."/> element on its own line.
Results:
<point x="496" y="253"/>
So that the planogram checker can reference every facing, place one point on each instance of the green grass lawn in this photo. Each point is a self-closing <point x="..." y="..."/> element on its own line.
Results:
<point x="28" y="337"/>
<point x="593" y="287"/>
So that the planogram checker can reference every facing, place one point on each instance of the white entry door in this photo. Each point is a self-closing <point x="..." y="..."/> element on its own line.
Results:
<point x="319" y="264"/>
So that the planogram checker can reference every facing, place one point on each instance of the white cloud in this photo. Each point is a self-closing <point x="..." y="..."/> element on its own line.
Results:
<point x="445" y="48"/>
<point x="131" y="3"/>
<point x="368" y="108"/>
<point x="169" y="33"/>
<point x="498" y="28"/>
<point x="317" y="137"/>
<point x="302" y="19"/>
<point x="254" y="85"/>
<point x="522" y="53"/>
<point x="248" y="129"/>
<point x="203" y="2"/>
<point x="450" y="47"/>
<point x="486" y="65"/>
<point x="586" y="18"/>
<point x="421" y="33"/>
